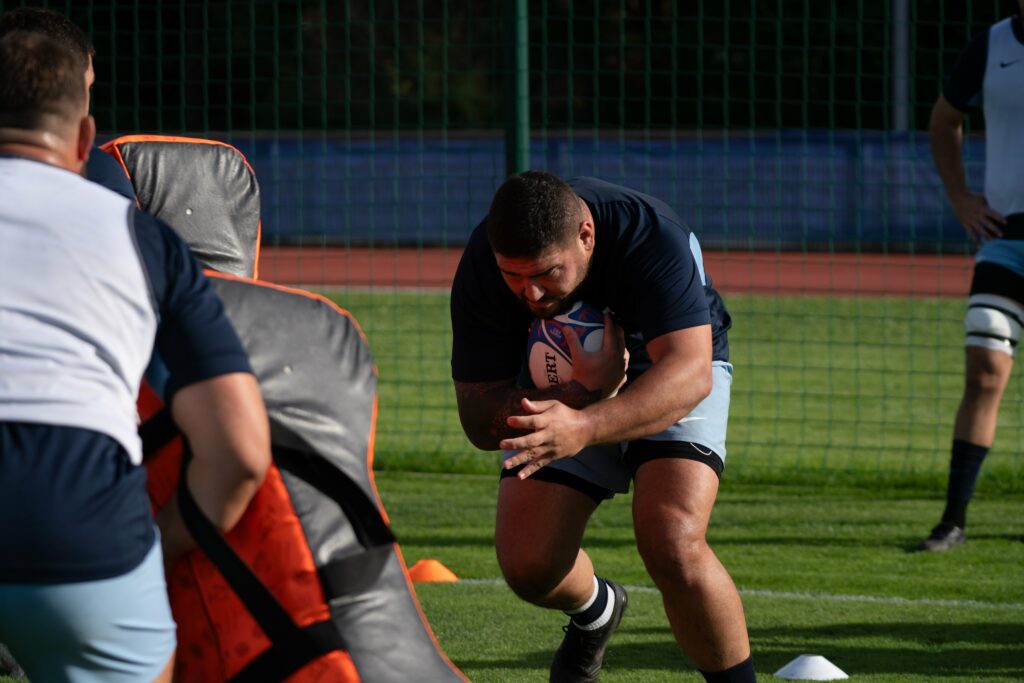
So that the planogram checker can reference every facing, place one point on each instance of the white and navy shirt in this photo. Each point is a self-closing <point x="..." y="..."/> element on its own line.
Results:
<point x="89" y="285"/>
<point x="990" y="73"/>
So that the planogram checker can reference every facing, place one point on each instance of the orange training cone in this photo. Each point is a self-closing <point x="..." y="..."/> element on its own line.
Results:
<point x="431" y="571"/>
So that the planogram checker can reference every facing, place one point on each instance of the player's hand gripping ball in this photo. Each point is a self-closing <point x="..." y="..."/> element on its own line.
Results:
<point x="548" y="352"/>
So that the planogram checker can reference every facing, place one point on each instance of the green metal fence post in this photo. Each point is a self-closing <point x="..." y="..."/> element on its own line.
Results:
<point x="517" y="111"/>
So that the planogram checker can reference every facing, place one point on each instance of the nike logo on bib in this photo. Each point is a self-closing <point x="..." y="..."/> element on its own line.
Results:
<point x="1003" y="65"/>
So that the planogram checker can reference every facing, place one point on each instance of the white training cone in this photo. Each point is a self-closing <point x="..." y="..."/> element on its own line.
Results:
<point x="811" y="668"/>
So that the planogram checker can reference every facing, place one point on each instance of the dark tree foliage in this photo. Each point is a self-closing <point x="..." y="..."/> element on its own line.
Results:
<point x="414" y="65"/>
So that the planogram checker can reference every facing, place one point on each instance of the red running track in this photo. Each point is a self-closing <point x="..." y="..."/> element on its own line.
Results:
<point x="733" y="272"/>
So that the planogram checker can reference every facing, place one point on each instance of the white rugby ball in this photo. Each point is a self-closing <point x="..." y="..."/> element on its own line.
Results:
<point x="548" y="354"/>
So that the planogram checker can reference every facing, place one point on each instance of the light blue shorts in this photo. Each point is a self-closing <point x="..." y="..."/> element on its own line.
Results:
<point x="1006" y="253"/>
<point x="117" y="630"/>
<point x="702" y="432"/>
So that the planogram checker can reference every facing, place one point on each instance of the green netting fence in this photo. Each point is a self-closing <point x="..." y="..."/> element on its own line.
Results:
<point x="791" y="135"/>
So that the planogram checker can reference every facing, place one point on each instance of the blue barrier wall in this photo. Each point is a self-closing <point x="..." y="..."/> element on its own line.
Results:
<point x="778" y="190"/>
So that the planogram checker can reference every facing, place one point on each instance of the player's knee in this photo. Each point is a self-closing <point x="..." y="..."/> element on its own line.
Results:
<point x="532" y="577"/>
<point x="984" y="380"/>
<point x="993" y="322"/>
<point x="678" y="565"/>
<point x="671" y="548"/>
<point x="530" y="583"/>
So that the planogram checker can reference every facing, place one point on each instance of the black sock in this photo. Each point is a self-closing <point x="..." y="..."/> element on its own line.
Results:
<point x="740" y="673"/>
<point x="592" y="615"/>
<point x="964" y="465"/>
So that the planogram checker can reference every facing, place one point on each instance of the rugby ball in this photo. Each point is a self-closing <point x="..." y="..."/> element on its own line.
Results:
<point x="547" y="351"/>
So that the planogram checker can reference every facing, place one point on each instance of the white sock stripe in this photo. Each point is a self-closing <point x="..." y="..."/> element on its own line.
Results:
<point x="606" y="615"/>
<point x="1005" y="304"/>
<point x="588" y="603"/>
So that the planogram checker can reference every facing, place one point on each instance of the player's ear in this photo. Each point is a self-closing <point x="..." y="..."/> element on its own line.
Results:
<point x="586" y="234"/>
<point x="86" y="138"/>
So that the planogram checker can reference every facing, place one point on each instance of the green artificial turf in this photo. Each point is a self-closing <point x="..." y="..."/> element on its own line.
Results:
<point x="821" y="571"/>
<point x="838" y="447"/>
<point x="826" y="391"/>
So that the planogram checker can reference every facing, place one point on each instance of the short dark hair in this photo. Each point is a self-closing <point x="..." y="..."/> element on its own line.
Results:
<point x="40" y="79"/>
<point x="530" y="213"/>
<point x="54" y="26"/>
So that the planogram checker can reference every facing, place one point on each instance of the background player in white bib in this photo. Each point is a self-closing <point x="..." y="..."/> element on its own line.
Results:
<point x="89" y="286"/>
<point x="544" y="245"/>
<point x="990" y="73"/>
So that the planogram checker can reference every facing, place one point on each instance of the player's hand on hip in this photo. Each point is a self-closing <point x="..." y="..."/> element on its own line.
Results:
<point x="603" y="370"/>
<point x="558" y="432"/>
<point x="981" y="221"/>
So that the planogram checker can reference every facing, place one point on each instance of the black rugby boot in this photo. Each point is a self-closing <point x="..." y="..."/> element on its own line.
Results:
<point x="579" y="657"/>
<point x="943" y="537"/>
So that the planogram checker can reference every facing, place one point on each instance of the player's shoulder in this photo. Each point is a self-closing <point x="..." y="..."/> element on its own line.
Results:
<point x="165" y="255"/>
<point x="63" y="186"/>
<point x="62" y="197"/>
<point x="1011" y="23"/>
<point x="152" y="232"/>
<point x="980" y="38"/>
<point x="621" y="204"/>
<point x="597" y="191"/>
<point x="104" y="170"/>
<point x="1007" y="34"/>
<point x="477" y="255"/>
<point x="979" y="43"/>
<point x="477" y="277"/>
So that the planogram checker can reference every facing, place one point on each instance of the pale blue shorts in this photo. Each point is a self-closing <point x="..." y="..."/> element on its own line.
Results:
<point x="699" y="436"/>
<point x="117" y="630"/>
<point x="1006" y="253"/>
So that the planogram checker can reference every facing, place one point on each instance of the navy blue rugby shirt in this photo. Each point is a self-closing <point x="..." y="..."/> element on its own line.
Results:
<point x="646" y="267"/>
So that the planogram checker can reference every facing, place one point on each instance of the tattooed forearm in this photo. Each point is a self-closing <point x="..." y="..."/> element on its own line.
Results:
<point x="484" y="407"/>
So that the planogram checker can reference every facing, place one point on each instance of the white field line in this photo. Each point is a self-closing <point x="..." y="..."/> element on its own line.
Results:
<point x="821" y="597"/>
<point x="321" y="288"/>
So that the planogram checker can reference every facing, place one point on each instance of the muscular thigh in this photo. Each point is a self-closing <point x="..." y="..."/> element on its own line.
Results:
<point x="540" y="521"/>
<point x="672" y="500"/>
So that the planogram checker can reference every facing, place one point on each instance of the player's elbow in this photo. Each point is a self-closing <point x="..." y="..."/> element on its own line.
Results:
<point x="705" y="382"/>
<point x="245" y="431"/>
<point x="689" y="392"/>
<point x="250" y="452"/>
<point x="479" y="435"/>
<point x="939" y="131"/>
<point x="241" y="460"/>
<point x="476" y="414"/>
<point x="226" y="423"/>
<point x="945" y="120"/>
<point x="699" y="389"/>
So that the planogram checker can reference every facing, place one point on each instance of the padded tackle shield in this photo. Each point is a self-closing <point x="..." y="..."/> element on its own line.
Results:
<point x="315" y="535"/>
<point x="173" y="179"/>
<point x="310" y="584"/>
